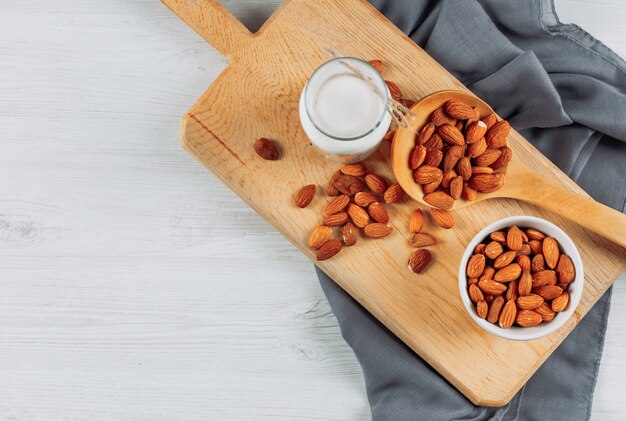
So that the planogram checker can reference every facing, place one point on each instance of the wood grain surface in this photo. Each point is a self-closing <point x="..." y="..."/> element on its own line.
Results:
<point x="260" y="89"/>
<point x="123" y="294"/>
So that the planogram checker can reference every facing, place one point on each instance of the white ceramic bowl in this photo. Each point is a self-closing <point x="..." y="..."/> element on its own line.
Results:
<point x="575" y="289"/>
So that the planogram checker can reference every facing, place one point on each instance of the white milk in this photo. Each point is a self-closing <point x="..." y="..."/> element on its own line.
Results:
<point x="343" y="109"/>
<point x="346" y="106"/>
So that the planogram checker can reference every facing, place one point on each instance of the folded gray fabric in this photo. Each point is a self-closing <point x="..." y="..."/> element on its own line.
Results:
<point x="566" y="93"/>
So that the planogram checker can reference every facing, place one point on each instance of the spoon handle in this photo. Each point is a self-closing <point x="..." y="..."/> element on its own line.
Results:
<point x="581" y="209"/>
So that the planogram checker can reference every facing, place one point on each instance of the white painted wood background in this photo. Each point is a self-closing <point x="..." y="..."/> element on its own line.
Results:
<point x="133" y="284"/>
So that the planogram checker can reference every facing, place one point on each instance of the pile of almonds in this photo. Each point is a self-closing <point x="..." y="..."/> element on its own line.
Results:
<point x="519" y="276"/>
<point x="357" y="203"/>
<point x="457" y="154"/>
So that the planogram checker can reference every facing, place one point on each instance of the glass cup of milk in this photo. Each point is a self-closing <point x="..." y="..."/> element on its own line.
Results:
<point x="343" y="109"/>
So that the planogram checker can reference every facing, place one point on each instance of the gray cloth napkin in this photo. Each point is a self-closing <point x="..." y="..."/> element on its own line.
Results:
<point x="566" y="93"/>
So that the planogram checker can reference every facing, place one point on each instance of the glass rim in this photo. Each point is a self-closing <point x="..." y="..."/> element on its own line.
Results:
<point x="378" y="120"/>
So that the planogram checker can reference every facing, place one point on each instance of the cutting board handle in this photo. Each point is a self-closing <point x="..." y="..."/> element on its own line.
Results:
<point x="213" y="22"/>
<point x="581" y="209"/>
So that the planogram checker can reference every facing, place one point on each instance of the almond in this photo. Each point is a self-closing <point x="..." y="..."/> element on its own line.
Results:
<point x="488" y="157"/>
<point x="525" y="283"/>
<point x="529" y="302"/>
<point x="472" y="281"/>
<point x="331" y="190"/>
<point x="266" y="149"/>
<point x="416" y="221"/>
<point x="427" y="131"/>
<point x="486" y="183"/>
<point x="329" y="249"/>
<point x="514" y="238"/>
<point x="426" y="174"/>
<point x="550" y="252"/>
<point x="431" y="187"/>
<point x="491" y="287"/>
<point x="388" y="137"/>
<point x="378" y="213"/>
<point x="433" y="158"/>
<point x="480" y="248"/>
<point x="468" y="193"/>
<point x="452" y="157"/>
<point x="482" y="170"/>
<point x="477" y="148"/>
<point x="443" y="218"/>
<point x="495" y="308"/>
<point x="548" y="292"/>
<point x="376" y="183"/>
<point x="377" y="230"/>
<point x="319" y="236"/>
<point x="377" y="64"/>
<point x="359" y="216"/>
<point x="545" y="311"/>
<point x="493" y="250"/>
<point x="565" y="270"/>
<point x="348" y="234"/>
<point x="528" y="318"/>
<point x="456" y="187"/>
<point x="490" y="120"/>
<point x="487" y="273"/>
<point x="475" y="131"/>
<point x="356" y="170"/>
<point x="460" y="125"/>
<point x="544" y="277"/>
<point x="512" y="290"/>
<point x="451" y="134"/>
<point x="434" y="143"/>
<point x="305" y="195"/>
<point x="506" y="154"/>
<point x="395" y="92"/>
<point x="393" y="194"/>
<point x="447" y="178"/>
<point x="536" y="247"/>
<point x="464" y="168"/>
<point x="497" y="134"/>
<point x="498" y="236"/>
<point x="523" y="262"/>
<point x="348" y="184"/>
<point x="459" y="109"/>
<point x="475" y="266"/>
<point x="482" y="308"/>
<point x="417" y="157"/>
<point x="364" y="199"/>
<point x="489" y="298"/>
<point x="439" y="199"/>
<point x="422" y="239"/>
<point x="535" y="235"/>
<point x="409" y="103"/>
<point x="508" y="273"/>
<point x="537" y="264"/>
<point x="504" y="259"/>
<point x="475" y="293"/>
<point x="560" y="303"/>
<point x="507" y="316"/>
<point x="419" y="259"/>
<point x="524" y="250"/>
<point x="439" y="117"/>
<point x="336" y="204"/>
<point x="336" y="219"/>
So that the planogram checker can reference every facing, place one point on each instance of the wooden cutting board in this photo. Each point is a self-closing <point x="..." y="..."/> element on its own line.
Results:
<point x="257" y="96"/>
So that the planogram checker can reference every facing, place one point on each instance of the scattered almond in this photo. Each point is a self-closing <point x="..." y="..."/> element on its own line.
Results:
<point x="422" y="239"/>
<point x="419" y="259"/>
<point x="305" y="195"/>
<point x="443" y="218"/>
<point x="329" y="249"/>
<point x="319" y="236"/>
<point x="377" y="230"/>
<point x="266" y="149"/>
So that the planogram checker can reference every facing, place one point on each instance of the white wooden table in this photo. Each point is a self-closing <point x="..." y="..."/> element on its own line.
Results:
<point x="134" y="285"/>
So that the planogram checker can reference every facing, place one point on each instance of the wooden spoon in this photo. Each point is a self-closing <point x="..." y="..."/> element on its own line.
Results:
<point x="521" y="182"/>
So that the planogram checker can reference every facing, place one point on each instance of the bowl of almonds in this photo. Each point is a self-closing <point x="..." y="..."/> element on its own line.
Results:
<point x="521" y="278"/>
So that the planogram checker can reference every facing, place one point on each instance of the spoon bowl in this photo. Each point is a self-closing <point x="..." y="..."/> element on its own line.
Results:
<point x="520" y="181"/>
